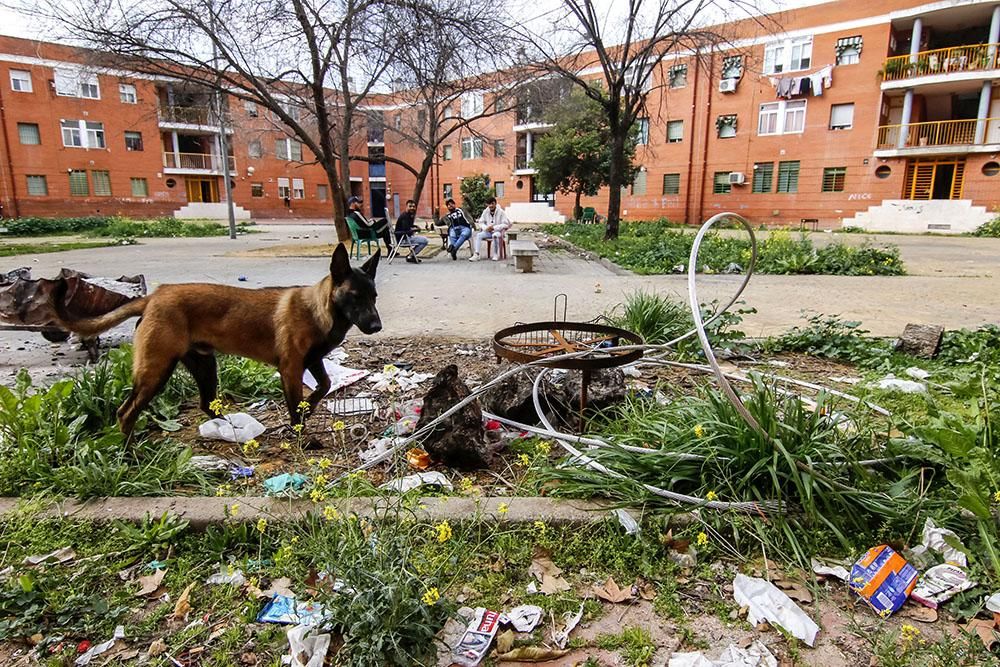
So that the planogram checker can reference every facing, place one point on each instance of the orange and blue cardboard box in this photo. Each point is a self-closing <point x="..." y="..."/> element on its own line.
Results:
<point x="883" y="579"/>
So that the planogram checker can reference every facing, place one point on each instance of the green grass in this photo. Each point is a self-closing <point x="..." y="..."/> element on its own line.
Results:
<point x="14" y="249"/>
<point x="657" y="248"/>
<point x="118" y="227"/>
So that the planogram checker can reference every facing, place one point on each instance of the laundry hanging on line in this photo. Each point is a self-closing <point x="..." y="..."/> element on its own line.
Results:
<point x="786" y="87"/>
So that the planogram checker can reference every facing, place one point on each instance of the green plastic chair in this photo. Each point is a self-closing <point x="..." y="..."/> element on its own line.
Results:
<point x="361" y="235"/>
<point x="589" y="215"/>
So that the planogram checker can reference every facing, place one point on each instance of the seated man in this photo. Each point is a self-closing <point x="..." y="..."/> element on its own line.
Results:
<point x="459" y="227"/>
<point x="406" y="225"/>
<point x="493" y="223"/>
<point x="380" y="226"/>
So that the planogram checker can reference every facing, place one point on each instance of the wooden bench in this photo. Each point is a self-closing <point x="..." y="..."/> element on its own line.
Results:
<point x="524" y="253"/>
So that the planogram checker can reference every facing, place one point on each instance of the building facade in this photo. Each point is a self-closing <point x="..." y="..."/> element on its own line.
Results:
<point x="879" y="114"/>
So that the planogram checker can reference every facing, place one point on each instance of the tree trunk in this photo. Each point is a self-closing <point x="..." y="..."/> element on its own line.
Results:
<point x="615" y="182"/>
<point x="421" y="178"/>
<point x="337" y="198"/>
<point x="577" y="209"/>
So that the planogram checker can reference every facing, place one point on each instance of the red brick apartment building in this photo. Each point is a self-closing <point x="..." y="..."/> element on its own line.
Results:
<point x="882" y="114"/>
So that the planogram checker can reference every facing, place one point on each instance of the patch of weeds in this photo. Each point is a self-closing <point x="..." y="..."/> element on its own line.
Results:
<point x="634" y="644"/>
<point x="966" y="346"/>
<point x="247" y="380"/>
<point x="830" y="337"/>
<point x="991" y="228"/>
<point x="14" y="249"/>
<point x="908" y="647"/>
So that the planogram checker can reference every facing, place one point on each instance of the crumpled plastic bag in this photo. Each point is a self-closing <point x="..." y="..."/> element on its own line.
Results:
<point x="410" y="482"/>
<point x="237" y="427"/>
<point x="892" y="383"/>
<point x="766" y="602"/>
<point x="378" y="447"/>
<point x="755" y="655"/>
<point x="936" y="539"/>
<point x="284" y="483"/>
<point x="307" y="651"/>
<point x="525" y="617"/>
<point x="227" y="575"/>
<point x="103" y="647"/>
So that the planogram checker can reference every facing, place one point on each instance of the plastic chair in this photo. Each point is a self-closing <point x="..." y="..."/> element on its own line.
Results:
<point x="589" y="215"/>
<point x="361" y="235"/>
<point x="501" y="251"/>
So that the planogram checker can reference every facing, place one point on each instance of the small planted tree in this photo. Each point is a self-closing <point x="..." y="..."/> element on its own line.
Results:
<point x="574" y="157"/>
<point x="476" y="190"/>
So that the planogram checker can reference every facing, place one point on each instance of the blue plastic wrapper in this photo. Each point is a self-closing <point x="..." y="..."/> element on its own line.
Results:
<point x="239" y="472"/>
<point x="289" y="611"/>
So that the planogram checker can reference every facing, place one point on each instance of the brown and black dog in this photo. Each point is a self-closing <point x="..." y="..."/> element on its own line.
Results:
<point x="291" y="328"/>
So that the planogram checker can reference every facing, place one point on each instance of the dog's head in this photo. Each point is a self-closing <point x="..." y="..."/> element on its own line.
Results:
<point x="352" y="293"/>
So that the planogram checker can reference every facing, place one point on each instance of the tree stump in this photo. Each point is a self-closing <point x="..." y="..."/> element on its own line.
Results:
<point x="920" y="340"/>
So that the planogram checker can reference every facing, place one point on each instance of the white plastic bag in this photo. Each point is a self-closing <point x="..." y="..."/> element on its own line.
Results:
<point x="311" y="649"/>
<point x="767" y="602"/>
<point x="237" y="427"/>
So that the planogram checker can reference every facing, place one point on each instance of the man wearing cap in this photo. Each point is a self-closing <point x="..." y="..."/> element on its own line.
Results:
<point x="380" y="226"/>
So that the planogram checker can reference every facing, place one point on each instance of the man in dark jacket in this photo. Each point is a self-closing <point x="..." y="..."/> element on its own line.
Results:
<point x="406" y="226"/>
<point x="379" y="225"/>
<point x="459" y="227"/>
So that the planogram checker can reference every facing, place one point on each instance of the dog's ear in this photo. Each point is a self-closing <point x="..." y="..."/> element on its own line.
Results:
<point x="340" y="264"/>
<point x="372" y="264"/>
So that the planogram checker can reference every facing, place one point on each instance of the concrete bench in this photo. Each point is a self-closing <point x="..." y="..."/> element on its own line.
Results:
<point x="524" y="253"/>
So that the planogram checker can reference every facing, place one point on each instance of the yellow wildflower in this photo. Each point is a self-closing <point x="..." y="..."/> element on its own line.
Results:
<point x="711" y="495"/>
<point x="699" y="431"/>
<point x="430" y="597"/>
<point x="261" y="525"/>
<point x="330" y="513"/>
<point x="303" y="406"/>
<point x="324" y="463"/>
<point x="909" y="634"/>
<point x="543" y="446"/>
<point x="523" y="460"/>
<point x="233" y="509"/>
<point x="443" y="530"/>
<point x="250" y="446"/>
<point x="224" y="490"/>
<point x="339" y="425"/>
<point x="298" y="428"/>
<point x="310" y="461"/>
<point x="465" y="485"/>
<point x="285" y="445"/>
<point x="701" y="540"/>
<point x="317" y="495"/>
<point x="295" y="539"/>
<point x="502" y="508"/>
<point x="389" y="369"/>
<point x="320" y="480"/>
<point x="216" y="407"/>
<point x="996" y="496"/>
<point x="539" y="526"/>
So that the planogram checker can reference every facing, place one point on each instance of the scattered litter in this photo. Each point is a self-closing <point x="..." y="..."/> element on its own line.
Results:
<point x="755" y="655"/>
<point x="917" y="373"/>
<point x="843" y="379"/>
<point x="883" y="579"/>
<point x="378" y="447"/>
<point x="766" y="603"/>
<point x="418" y="458"/>
<point x="288" y="611"/>
<point x="993" y="603"/>
<point x="62" y="555"/>
<point x="284" y="483"/>
<point x="240" y="472"/>
<point x="940" y="583"/>
<point x="609" y="591"/>
<point x="630" y="525"/>
<point x="149" y="584"/>
<point x="101" y="648"/>
<point x="630" y="371"/>
<point x="393" y="378"/>
<point x="183" y="606"/>
<point x="838" y="571"/>
<point x="227" y="575"/>
<point x="237" y="427"/>
<point x="351" y="407"/>
<point x="547" y="573"/>
<point x="410" y="482"/>
<point x="943" y="541"/>
<point x="570" y="621"/>
<point x="280" y="586"/>
<point x="478" y="638"/>
<point x="525" y="617"/>
<point x="307" y="651"/>
<point x="210" y="462"/>
<point x="986" y="630"/>
<point x="340" y="376"/>
<point x="677" y="268"/>
<point x="892" y="383"/>
<point x="242" y="279"/>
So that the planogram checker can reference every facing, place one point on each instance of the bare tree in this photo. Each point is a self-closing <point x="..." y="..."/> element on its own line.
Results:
<point x="612" y="59"/>
<point x="310" y="63"/>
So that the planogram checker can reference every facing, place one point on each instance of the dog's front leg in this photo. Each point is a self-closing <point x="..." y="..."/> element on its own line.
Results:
<point x="318" y="371"/>
<point x="291" y="384"/>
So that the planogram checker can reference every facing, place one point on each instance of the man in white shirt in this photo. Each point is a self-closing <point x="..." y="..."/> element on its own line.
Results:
<point x="493" y="223"/>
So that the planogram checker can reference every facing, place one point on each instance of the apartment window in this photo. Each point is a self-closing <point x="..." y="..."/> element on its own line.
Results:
<point x="78" y="184"/>
<point x="94" y="134"/>
<point x="449" y="191"/>
<point x="833" y="179"/>
<point x="785" y="117"/>
<point x="500" y="104"/>
<point x="28" y="134"/>
<point x="720" y="184"/>
<point x="257" y="190"/>
<point x="133" y="141"/>
<point x="71" y="134"/>
<point x="725" y="126"/>
<point x="446" y="153"/>
<point x="639" y="183"/>
<point x="763" y="177"/>
<point x="102" y="183"/>
<point x="140" y="187"/>
<point x="638" y="77"/>
<point x="472" y="104"/>
<point x="499" y="148"/>
<point x="298" y="188"/>
<point x="77" y="83"/>
<point x="848" y="50"/>
<point x="788" y="176"/>
<point x="322" y="192"/>
<point x="254" y="149"/>
<point x="38" y="186"/>
<point x="677" y="76"/>
<point x="675" y="131"/>
<point x="671" y="184"/>
<point x="842" y="116"/>
<point x="643" y="134"/>
<point x="250" y="108"/>
<point x="732" y="67"/>
<point x="20" y="80"/>
<point x="288" y="149"/>
<point x="126" y="92"/>
<point x="290" y="108"/>
<point x="500" y="189"/>
<point x="472" y="148"/>
<point x="789" y="55"/>
<point x="284" y="189"/>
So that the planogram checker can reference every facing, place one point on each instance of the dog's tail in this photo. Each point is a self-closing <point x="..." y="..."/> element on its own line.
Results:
<point x="92" y="326"/>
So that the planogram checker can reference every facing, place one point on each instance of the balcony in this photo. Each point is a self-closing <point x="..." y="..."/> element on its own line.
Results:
<point x="522" y="165"/>
<point x="188" y="116"/>
<point x="950" y="61"/>
<point x="931" y="137"/>
<point x="198" y="163"/>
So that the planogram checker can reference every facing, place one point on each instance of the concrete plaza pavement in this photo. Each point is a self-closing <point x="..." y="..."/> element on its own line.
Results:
<point x="953" y="281"/>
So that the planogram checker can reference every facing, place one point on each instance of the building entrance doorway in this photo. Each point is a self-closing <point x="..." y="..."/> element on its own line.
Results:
<point x="202" y="190"/>
<point x="540" y="196"/>
<point x="934" y="178"/>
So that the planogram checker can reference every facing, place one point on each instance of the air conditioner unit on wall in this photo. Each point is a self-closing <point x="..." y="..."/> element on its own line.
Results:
<point x="728" y="85"/>
<point x="737" y="178"/>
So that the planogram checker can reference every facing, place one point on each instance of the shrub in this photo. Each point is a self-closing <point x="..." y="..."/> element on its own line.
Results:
<point x="47" y="226"/>
<point x="830" y="337"/>
<point x="991" y="228"/>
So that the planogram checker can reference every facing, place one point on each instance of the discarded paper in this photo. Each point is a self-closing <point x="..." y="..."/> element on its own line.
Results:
<point x="307" y="651"/>
<point x="766" y="602"/>
<point x="525" y="617"/>
<point x="238" y="427"/>
<point x="478" y="638"/>
<point x="410" y="482"/>
<point x="755" y="655"/>
<point x="940" y="583"/>
<point x="103" y="647"/>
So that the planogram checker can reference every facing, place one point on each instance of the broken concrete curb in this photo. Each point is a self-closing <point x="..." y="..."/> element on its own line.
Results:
<point x="205" y="511"/>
